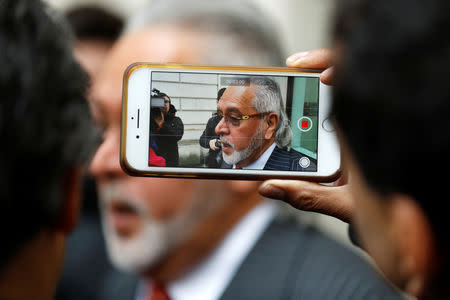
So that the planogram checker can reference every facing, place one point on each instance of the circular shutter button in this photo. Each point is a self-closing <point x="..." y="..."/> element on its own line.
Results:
<point x="304" y="162"/>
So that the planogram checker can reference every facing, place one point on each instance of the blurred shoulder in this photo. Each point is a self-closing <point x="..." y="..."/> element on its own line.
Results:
<point x="119" y="286"/>
<point x="328" y="269"/>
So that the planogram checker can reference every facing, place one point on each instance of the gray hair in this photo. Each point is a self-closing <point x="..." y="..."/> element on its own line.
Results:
<point x="237" y="31"/>
<point x="268" y="99"/>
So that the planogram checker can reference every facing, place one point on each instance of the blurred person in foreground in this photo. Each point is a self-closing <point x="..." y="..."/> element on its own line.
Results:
<point x="48" y="138"/>
<point x="397" y="209"/>
<point x="197" y="239"/>
<point x="95" y="29"/>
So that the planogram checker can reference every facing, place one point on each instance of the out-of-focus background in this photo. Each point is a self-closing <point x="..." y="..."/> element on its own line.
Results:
<point x="303" y="24"/>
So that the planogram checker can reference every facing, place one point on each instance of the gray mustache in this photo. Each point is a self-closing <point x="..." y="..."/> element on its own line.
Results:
<point x="111" y="193"/>
<point x="224" y="141"/>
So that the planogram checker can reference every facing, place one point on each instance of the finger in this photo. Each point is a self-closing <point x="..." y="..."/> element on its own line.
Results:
<point x="343" y="179"/>
<point x="327" y="76"/>
<point x="314" y="59"/>
<point x="308" y="196"/>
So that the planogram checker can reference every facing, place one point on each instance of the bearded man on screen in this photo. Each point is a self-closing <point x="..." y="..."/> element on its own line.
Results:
<point x="255" y="131"/>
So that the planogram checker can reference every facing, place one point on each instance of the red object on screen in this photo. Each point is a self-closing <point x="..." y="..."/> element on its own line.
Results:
<point x="155" y="160"/>
<point x="305" y="124"/>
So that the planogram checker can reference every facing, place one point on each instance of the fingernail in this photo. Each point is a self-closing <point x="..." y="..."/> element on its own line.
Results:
<point x="271" y="191"/>
<point x="295" y="57"/>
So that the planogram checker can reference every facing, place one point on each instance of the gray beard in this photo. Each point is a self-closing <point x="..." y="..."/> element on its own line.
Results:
<point x="156" y="239"/>
<point x="238" y="156"/>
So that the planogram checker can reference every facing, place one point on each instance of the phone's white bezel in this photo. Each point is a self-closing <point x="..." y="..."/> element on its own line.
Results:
<point x="134" y="151"/>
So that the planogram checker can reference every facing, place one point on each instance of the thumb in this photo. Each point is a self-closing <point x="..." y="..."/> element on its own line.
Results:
<point x="309" y="196"/>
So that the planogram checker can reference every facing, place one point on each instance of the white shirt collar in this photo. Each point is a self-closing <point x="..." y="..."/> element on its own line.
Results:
<point x="209" y="280"/>
<point x="260" y="163"/>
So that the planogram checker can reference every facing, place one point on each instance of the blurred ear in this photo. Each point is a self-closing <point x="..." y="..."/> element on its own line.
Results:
<point x="415" y="242"/>
<point x="70" y="209"/>
<point x="271" y="123"/>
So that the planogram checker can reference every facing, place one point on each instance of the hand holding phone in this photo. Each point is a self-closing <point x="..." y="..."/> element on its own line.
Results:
<point x="320" y="59"/>
<point x="268" y="122"/>
<point x="334" y="200"/>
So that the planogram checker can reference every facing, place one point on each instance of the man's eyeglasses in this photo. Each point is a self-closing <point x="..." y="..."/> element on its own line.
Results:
<point x="235" y="120"/>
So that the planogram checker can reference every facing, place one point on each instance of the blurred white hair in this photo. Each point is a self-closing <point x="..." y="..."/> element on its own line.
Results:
<point x="238" y="32"/>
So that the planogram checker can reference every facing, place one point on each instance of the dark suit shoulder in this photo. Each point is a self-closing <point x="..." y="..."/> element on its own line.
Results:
<point x="332" y="271"/>
<point x="292" y="261"/>
<point x="209" y="132"/>
<point x="283" y="159"/>
<point x="263" y="272"/>
<point x="119" y="286"/>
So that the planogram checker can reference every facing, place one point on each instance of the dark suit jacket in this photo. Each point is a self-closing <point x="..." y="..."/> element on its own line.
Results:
<point x="290" y="262"/>
<point x="208" y="134"/>
<point x="282" y="159"/>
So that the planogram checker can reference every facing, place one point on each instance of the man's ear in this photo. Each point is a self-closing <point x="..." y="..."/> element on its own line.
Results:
<point x="413" y="234"/>
<point x="70" y="210"/>
<point x="271" y="123"/>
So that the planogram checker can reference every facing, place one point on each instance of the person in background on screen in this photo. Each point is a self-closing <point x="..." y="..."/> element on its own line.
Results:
<point x="210" y="140"/>
<point x="166" y="130"/>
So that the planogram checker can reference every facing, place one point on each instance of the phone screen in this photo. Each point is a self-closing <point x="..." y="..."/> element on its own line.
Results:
<point x="233" y="121"/>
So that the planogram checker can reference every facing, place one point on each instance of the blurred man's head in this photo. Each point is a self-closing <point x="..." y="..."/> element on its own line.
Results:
<point x="233" y="32"/>
<point x="161" y="227"/>
<point x="253" y="119"/>
<point x="47" y="132"/>
<point x="392" y="104"/>
<point x="95" y="29"/>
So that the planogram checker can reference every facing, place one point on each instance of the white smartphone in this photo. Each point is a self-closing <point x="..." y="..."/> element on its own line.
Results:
<point x="227" y="122"/>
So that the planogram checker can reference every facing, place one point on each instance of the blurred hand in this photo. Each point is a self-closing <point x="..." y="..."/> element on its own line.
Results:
<point x="335" y="200"/>
<point x="332" y="200"/>
<point x="212" y="144"/>
<point x="314" y="59"/>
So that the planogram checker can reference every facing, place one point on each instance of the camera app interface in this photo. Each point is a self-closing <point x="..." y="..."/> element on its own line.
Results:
<point x="234" y="121"/>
